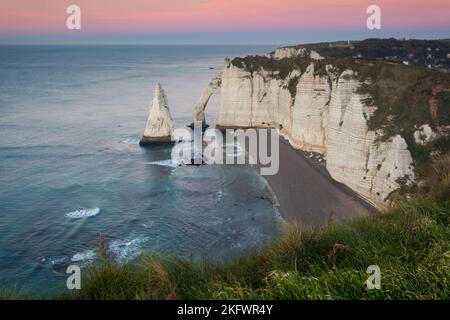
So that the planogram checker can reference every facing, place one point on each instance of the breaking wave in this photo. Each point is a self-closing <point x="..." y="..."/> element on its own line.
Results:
<point x="164" y="163"/>
<point x="87" y="255"/>
<point x="125" y="251"/>
<point x="84" y="213"/>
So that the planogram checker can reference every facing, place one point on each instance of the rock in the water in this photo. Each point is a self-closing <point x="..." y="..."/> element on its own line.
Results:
<point x="159" y="127"/>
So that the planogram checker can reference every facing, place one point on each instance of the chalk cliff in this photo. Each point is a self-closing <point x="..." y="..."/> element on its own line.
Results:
<point x="291" y="52"/>
<point x="159" y="127"/>
<point x="322" y="111"/>
<point x="287" y="52"/>
<point x="374" y="121"/>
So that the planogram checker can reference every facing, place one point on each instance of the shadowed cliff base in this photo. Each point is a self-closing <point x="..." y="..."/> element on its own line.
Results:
<point x="308" y="195"/>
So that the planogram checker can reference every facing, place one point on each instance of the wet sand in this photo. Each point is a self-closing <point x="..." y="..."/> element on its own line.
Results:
<point x="308" y="195"/>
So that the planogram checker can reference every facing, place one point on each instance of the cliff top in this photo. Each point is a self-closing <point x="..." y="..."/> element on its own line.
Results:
<point x="427" y="53"/>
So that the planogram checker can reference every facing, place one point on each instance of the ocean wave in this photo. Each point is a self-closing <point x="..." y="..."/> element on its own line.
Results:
<point x="164" y="163"/>
<point x="84" y="213"/>
<point x="87" y="255"/>
<point x="125" y="251"/>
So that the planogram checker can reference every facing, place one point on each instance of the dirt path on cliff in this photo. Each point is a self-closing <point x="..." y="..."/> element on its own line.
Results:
<point x="308" y="195"/>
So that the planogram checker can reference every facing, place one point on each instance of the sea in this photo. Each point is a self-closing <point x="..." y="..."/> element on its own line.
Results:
<point x="72" y="173"/>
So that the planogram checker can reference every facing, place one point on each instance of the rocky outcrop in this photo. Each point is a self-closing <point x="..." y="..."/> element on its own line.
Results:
<point x="424" y="134"/>
<point x="290" y="52"/>
<point x="212" y="88"/>
<point x="325" y="113"/>
<point x="159" y="127"/>
<point x="287" y="52"/>
<point x="315" y="56"/>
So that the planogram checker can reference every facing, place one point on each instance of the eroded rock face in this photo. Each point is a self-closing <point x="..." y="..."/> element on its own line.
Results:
<point x="290" y="52"/>
<point x="308" y="130"/>
<point x="159" y="127"/>
<point x="261" y="100"/>
<point x="212" y="88"/>
<point x="287" y="52"/>
<point x="315" y="55"/>
<point x="327" y="114"/>
<point x="354" y="155"/>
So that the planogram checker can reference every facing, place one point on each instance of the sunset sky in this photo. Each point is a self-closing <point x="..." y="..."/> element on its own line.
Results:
<point x="218" y="21"/>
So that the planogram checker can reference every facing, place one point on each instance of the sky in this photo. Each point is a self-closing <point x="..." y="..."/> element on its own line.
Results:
<point x="218" y="21"/>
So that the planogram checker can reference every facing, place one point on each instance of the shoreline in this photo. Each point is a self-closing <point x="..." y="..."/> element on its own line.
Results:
<point x="308" y="195"/>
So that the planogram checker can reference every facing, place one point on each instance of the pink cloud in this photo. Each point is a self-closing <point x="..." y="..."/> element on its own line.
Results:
<point x="48" y="16"/>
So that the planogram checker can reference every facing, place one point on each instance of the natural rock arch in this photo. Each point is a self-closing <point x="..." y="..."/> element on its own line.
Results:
<point x="213" y="87"/>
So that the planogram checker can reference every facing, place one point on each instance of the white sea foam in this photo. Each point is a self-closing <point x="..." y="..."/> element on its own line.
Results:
<point x="130" y="141"/>
<point x="84" y="213"/>
<point x="87" y="255"/>
<point x="164" y="163"/>
<point x="127" y="250"/>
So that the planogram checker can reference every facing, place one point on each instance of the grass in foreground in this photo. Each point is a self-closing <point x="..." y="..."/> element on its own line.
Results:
<point x="410" y="244"/>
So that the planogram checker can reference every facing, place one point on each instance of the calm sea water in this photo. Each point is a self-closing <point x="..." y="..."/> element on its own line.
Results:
<point x="70" y="122"/>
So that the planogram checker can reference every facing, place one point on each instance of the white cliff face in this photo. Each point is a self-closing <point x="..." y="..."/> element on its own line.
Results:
<point x="258" y="100"/>
<point x="315" y="55"/>
<point x="282" y="53"/>
<point x="327" y="115"/>
<point x="391" y="166"/>
<point x="354" y="156"/>
<point x="310" y="112"/>
<point x="289" y="52"/>
<point x="159" y="125"/>
<point x="348" y="137"/>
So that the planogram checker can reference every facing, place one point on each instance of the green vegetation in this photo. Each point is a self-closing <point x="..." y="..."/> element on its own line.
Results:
<point x="415" y="51"/>
<point x="410" y="244"/>
<point x="281" y="68"/>
<point x="292" y="86"/>
<point x="443" y="106"/>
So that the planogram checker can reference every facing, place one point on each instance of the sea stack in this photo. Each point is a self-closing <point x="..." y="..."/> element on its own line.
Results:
<point x="159" y="127"/>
